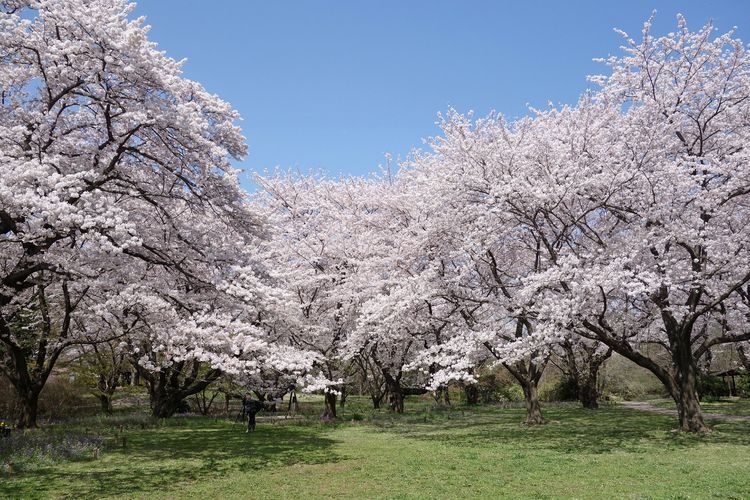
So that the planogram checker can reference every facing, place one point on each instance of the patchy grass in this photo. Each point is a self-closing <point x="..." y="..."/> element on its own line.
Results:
<point x="726" y="406"/>
<point x="425" y="453"/>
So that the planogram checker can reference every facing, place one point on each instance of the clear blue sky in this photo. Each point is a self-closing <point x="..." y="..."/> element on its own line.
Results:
<point x="334" y="85"/>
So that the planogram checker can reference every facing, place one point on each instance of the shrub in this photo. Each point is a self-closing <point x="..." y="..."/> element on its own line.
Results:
<point x="60" y="399"/>
<point x="743" y="384"/>
<point x="709" y="387"/>
<point x="566" y="389"/>
<point x="625" y="380"/>
<point x="513" y="392"/>
<point x="496" y="387"/>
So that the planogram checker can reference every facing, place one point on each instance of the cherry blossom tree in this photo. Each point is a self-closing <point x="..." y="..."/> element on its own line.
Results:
<point x="743" y="352"/>
<point x="581" y="360"/>
<point x="115" y="169"/>
<point x="477" y="226"/>
<point x="617" y="220"/>
<point x="313" y="254"/>
<point x="656" y="191"/>
<point x="401" y="315"/>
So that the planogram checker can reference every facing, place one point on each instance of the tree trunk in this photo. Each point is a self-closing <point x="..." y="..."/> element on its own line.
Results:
<point x="330" y="410"/>
<point x="106" y="403"/>
<point x="582" y="362"/>
<point x="292" y="408"/>
<point x="588" y="390"/>
<point x="106" y="388"/>
<point x="164" y="406"/>
<point x="533" y="409"/>
<point x="396" y="396"/>
<point x="169" y="387"/>
<point x="686" y="395"/>
<point x="442" y="396"/>
<point x="679" y="379"/>
<point x="376" y="399"/>
<point x="344" y="394"/>
<point x="29" y="402"/>
<point x="528" y="374"/>
<point x="397" y="393"/>
<point x="588" y="394"/>
<point x="472" y="394"/>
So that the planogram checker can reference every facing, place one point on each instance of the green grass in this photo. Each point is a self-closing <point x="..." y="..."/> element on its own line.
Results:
<point x="426" y="453"/>
<point x="726" y="406"/>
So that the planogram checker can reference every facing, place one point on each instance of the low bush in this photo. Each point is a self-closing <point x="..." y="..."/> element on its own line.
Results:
<point x="743" y="384"/>
<point x="496" y="387"/>
<point x="565" y="389"/>
<point x="711" y="387"/>
<point x="60" y="399"/>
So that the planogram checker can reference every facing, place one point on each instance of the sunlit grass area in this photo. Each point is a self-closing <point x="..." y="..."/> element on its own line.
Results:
<point x="425" y="453"/>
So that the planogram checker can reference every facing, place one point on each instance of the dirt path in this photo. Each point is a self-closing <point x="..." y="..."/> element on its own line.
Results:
<point x="644" y="406"/>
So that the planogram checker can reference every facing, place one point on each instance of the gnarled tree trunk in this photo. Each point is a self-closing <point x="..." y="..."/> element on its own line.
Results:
<point x="330" y="409"/>
<point x="105" y="401"/>
<point x="106" y="388"/>
<point x="531" y="399"/>
<point x="680" y="379"/>
<point x="29" y="369"/>
<point x="685" y="391"/>
<point x="29" y="404"/>
<point x="169" y="387"/>
<point x="581" y="363"/>
<point x="588" y="393"/>
<point x="397" y="393"/>
<point x="528" y="374"/>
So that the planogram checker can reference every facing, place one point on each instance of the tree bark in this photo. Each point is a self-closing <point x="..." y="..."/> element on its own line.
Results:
<point x="292" y="408"/>
<point x="588" y="394"/>
<point x="442" y="396"/>
<point x="330" y="409"/>
<point x="686" y="394"/>
<point x="29" y="402"/>
<point x="106" y="403"/>
<point x="396" y="399"/>
<point x="528" y="375"/>
<point x="106" y="389"/>
<point x="397" y="393"/>
<point x="581" y="363"/>
<point x="164" y="406"/>
<point x="679" y="379"/>
<point x="533" y="409"/>
<point x="28" y="374"/>
<point x="169" y="387"/>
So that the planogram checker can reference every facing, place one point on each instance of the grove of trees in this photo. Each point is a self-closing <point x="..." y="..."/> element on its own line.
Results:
<point x="615" y="225"/>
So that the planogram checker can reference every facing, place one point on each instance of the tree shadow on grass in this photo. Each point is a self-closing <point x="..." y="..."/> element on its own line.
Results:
<point x="569" y="431"/>
<point x="155" y="459"/>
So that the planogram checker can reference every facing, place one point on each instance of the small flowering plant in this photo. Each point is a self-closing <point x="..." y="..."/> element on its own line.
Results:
<point x="4" y="429"/>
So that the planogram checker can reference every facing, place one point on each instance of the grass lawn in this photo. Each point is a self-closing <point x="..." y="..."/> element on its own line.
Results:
<point x="425" y="453"/>
<point x="727" y="406"/>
